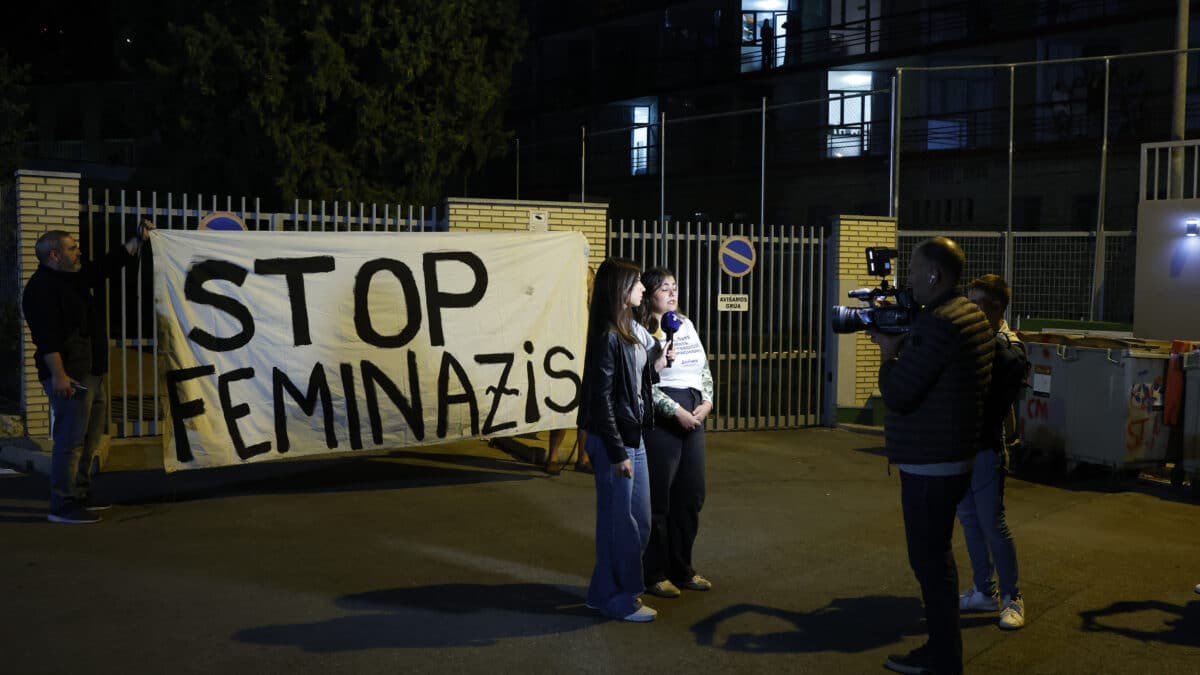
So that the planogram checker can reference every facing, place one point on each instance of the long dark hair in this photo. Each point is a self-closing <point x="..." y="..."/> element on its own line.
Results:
<point x="652" y="279"/>
<point x="614" y="281"/>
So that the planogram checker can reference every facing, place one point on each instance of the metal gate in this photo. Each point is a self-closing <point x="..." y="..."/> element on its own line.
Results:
<point x="107" y="218"/>
<point x="767" y="362"/>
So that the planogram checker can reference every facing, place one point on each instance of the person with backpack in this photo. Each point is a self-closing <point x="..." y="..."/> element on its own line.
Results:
<point x="981" y="512"/>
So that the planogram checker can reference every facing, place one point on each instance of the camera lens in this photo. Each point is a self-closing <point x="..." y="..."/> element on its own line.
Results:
<point x="848" y="319"/>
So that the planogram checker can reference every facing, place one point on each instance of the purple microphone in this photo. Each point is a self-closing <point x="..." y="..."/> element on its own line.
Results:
<point x="671" y="323"/>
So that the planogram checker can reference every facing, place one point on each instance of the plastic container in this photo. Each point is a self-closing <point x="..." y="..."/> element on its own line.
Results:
<point x="1098" y="405"/>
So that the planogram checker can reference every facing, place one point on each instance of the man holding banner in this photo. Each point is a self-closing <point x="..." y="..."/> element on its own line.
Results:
<point x="70" y="334"/>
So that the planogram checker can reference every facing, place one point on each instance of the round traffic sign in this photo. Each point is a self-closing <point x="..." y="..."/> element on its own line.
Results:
<point x="737" y="256"/>
<point x="222" y="220"/>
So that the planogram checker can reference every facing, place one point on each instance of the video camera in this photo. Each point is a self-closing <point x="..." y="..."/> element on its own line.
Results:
<point x="890" y="318"/>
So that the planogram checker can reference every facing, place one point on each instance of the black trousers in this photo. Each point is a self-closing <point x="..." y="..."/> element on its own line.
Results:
<point x="675" y="458"/>
<point x="929" y="504"/>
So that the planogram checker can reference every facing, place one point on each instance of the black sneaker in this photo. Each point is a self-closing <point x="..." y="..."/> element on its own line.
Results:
<point x="916" y="662"/>
<point x="73" y="517"/>
<point x="101" y="506"/>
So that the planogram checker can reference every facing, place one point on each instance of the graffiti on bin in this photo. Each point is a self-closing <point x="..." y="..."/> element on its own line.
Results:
<point x="1147" y="395"/>
<point x="1143" y="425"/>
<point x="1037" y="409"/>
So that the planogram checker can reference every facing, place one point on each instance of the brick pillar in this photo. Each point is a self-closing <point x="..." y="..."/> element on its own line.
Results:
<point x="46" y="200"/>
<point x="855" y="360"/>
<point x="508" y="215"/>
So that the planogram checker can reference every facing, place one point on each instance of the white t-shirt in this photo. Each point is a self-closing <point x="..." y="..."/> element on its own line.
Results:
<point x="690" y="359"/>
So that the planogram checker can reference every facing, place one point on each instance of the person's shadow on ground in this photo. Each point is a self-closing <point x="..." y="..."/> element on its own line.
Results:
<point x="443" y="615"/>
<point x="1182" y="629"/>
<point x="844" y="625"/>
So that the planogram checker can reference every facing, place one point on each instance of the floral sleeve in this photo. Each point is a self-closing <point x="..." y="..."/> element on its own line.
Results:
<point x="706" y="383"/>
<point x="664" y="405"/>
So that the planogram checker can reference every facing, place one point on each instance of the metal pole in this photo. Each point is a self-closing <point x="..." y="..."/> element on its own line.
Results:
<point x="1179" y="108"/>
<point x="897" y="92"/>
<point x="582" y="163"/>
<point x="762" y="167"/>
<point x="518" y="167"/>
<point x="892" y="156"/>
<point x="1008" y="240"/>
<point x="662" y="180"/>
<point x="1097" y="313"/>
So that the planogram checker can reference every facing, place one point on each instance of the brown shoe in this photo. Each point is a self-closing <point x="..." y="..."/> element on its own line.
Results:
<point x="552" y="468"/>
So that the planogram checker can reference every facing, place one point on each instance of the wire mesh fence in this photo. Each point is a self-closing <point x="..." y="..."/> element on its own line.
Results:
<point x="1052" y="272"/>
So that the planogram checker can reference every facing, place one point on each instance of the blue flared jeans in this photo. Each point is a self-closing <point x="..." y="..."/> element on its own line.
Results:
<point x="622" y="531"/>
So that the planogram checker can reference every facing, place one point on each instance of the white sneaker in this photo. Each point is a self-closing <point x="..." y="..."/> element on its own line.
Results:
<point x="1012" y="616"/>
<point x="642" y="614"/>
<point x="1198" y="588"/>
<point x="974" y="600"/>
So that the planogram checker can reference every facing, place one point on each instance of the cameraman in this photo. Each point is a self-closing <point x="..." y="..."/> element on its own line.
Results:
<point x="933" y="380"/>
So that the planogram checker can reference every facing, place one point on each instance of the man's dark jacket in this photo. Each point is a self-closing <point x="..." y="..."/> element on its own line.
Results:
<point x="934" y="391"/>
<point x="614" y="408"/>
<point x="64" y="315"/>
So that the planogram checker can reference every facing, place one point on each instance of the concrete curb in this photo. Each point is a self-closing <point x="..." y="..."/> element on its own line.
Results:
<point x="862" y="429"/>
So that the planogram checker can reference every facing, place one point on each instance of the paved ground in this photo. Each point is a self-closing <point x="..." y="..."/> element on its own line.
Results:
<point x="460" y="559"/>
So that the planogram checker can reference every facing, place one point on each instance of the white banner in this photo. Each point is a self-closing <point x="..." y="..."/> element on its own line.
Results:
<point x="277" y="344"/>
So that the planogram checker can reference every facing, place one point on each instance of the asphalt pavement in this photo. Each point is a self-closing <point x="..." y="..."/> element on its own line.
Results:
<point x="462" y="559"/>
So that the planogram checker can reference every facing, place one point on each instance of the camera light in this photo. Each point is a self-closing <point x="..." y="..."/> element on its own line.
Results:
<point x="1193" y="227"/>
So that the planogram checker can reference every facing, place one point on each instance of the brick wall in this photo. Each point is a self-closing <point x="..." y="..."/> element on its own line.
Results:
<point x="46" y="201"/>
<point x="502" y="215"/>
<point x="854" y="234"/>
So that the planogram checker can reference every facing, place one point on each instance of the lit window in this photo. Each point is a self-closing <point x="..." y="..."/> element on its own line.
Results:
<point x="639" y="140"/>
<point x="849" y="113"/>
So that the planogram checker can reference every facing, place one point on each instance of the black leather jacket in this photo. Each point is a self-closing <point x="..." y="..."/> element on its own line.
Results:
<point x="609" y="409"/>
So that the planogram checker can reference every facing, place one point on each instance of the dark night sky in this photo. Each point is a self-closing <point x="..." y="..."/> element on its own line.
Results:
<point x="78" y="40"/>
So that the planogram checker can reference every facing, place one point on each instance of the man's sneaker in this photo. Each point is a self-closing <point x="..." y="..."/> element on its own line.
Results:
<point x="916" y="662"/>
<point x="975" y="600"/>
<point x="664" y="589"/>
<point x="1198" y="588"/>
<point x="73" y="517"/>
<point x="642" y="614"/>
<point x="698" y="583"/>
<point x="1012" y="616"/>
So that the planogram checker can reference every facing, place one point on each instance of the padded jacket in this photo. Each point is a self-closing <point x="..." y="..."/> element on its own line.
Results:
<point x="934" y="391"/>
<point x="614" y="408"/>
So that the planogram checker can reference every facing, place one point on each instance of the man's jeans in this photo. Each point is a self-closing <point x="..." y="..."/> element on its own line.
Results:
<point x="622" y="531"/>
<point x="76" y="427"/>
<point x="985" y="528"/>
<point x="929" y="504"/>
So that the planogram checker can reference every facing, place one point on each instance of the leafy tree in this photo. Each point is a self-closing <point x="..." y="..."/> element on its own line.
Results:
<point x="371" y="100"/>
<point x="14" y="107"/>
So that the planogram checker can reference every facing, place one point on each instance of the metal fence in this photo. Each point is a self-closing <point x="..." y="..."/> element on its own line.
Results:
<point x="672" y="160"/>
<point x="1051" y="274"/>
<point x="1170" y="167"/>
<point x="109" y="217"/>
<point x="768" y="361"/>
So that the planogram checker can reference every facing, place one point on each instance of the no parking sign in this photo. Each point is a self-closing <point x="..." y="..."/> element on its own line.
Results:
<point x="737" y="256"/>
<point x="222" y="220"/>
